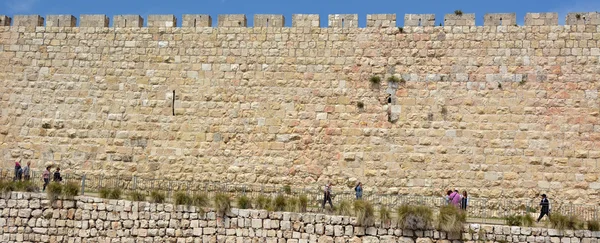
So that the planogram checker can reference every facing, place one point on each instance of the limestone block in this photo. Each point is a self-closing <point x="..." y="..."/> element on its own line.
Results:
<point x="167" y="20"/>
<point x="269" y="20"/>
<point x="306" y="20"/>
<point x="583" y="18"/>
<point x="61" y="21"/>
<point x="196" y="20"/>
<point x="419" y="20"/>
<point x="124" y="21"/>
<point x="500" y="19"/>
<point x="95" y="20"/>
<point x="541" y="19"/>
<point x="28" y="20"/>
<point x="381" y="20"/>
<point x="343" y="21"/>
<point x="459" y="20"/>
<point x="232" y="20"/>
<point x="5" y="20"/>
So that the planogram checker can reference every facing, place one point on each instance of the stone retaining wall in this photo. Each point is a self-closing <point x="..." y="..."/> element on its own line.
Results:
<point x="28" y="217"/>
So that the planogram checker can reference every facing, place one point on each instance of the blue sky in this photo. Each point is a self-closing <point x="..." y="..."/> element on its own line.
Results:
<point x="289" y="7"/>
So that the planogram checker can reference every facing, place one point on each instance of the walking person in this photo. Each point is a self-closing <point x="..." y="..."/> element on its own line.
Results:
<point x="359" y="191"/>
<point x="545" y="203"/>
<point x="26" y="171"/>
<point x="57" y="177"/>
<point x="464" y="201"/>
<point x="327" y="195"/>
<point x="17" y="171"/>
<point x="46" y="177"/>
<point x="455" y="198"/>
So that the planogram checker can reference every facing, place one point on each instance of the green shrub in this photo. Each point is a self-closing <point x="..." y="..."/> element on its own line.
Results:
<point x="70" y="190"/>
<point x="394" y="79"/>
<point x="157" y="196"/>
<point x="24" y="186"/>
<point x="222" y="203"/>
<point x="414" y="217"/>
<point x="458" y="12"/>
<point x="182" y="198"/>
<point x="115" y="193"/>
<point x="292" y="205"/>
<point x="200" y="200"/>
<point x="384" y="215"/>
<point x="279" y="203"/>
<point x="365" y="213"/>
<point x="375" y="79"/>
<point x="262" y="202"/>
<point x="451" y="219"/>
<point x="344" y="208"/>
<point x="104" y="192"/>
<point x="6" y="186"/>
<point x="562" y="222"/>
<point x="593" y="225"/>
<point x="520" y="220"/>
<point x="302" y="203"/>
<point x="527" y="220"/>
<point x="137" y="196"/>
<point x="53" y="190"/>
<point x="287" y="189"/>
<point x="243" y="202"/>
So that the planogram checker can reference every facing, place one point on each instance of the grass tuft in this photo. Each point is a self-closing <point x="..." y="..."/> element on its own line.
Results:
<point x="302" y="203"/>
<point x="365" y="213"/>
<point x="279" y="203"/>
<point x="157" y="196"/>
<point x="375" y="79"/>
<point x="70" y="190"/>
<point x="451" y="219"/>
<point x="54" y="190"/>
<point x="137" y="196"/>
<point x="262" y="202"/>
<point x="458" y="12"/>
<point x="414" y="217"/>
<point x="593" y="225"/>
<point x="292" y="205"/>
<point x="562" y="222"/>
<point x="182" y="198"/>
<point x="344" y="208"/>
<point x="104" y="192"/>
<point x="222" y="204"/>
<point x="244" y="202"/>
<point x="115" y="193"/>
<point x="385" y="215"/>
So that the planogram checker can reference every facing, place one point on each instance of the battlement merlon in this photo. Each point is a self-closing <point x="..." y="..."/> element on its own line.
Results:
<point x="343" y="21"/>
<point x="232" y="20"/>
<point x="196" y="20"/>
<point x="61" y="21"/>
<point x="167" y="20"/>
<point x="381" y="20"/>
<point x="269" y="20"/>
<point x="541" y="19"/>
<point x="467" y="19"/>
<point x="306" y="20"/>
<point x="583" y="18"/>
<point x="125" y="21"/>
<point x="500" y="19"/>
<point x="5" y="20"/>
<point x="28" y="20"/>
<point x="93" y="20"/>
<point x="413" y="20"/>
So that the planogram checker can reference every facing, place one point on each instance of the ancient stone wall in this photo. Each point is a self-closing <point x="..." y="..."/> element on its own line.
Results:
<point x="500" y="111"/>
<point x="29" y="217"/>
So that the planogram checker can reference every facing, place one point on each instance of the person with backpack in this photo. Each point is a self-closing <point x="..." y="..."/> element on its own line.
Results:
<point x="545" y="203"/>
<point x="57" y="177"/>
<point x="359" y="191"/>
<point x="327" y="195"/>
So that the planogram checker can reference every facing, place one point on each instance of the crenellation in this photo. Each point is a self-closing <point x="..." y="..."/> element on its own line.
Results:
<point x="28" y="20"/>
<point x="196" y="20"/>
<point x="500" y="19"/>
<point x="128" y="21"/>
<point x="343" y="21"/>
<point x="269" y="20"/>
<point x="381" y="20"/>
<point x="583" y="18"/>
<point x="419" y="20"/>
<point x="61" y="21"/>
<point x="541" y="19"/>
<point x="93" y="20"/>
<point x="167" y="20"/>
<point x="465" y="19"/>
<point x="306" y="20"/>
<point x="232" y="20"/>
<point x="5" y="20"/>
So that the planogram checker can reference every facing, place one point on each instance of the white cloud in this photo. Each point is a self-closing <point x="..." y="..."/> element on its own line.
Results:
<point x="20" y="6"/>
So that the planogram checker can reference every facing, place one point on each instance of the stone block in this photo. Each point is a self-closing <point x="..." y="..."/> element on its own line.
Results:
<point x="61" y="21"/>
<point x="381" y="20"/>
<point x="196" y="20"/>
<point x="343" y="21"/>
<point x="232" y="20"/>
<point x="541" y="19"/>
<point x="419" y="20"/>
<point x="167" y="20"/>
<point x="306" y="20"/>
<point x="500" y="19"/>
<point x="28" y="20"/>
<point x="583" y="18"/>
<point x="459" y="19"/>
<point x="269" y="20"/>
<point x="95" y="20"/>
<point x="124" y="21"/>
<point x="5" y="20"/>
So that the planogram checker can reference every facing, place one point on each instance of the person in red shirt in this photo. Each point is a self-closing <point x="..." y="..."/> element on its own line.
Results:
<point x="17" y="170"/>
<point x="46" y="177"/>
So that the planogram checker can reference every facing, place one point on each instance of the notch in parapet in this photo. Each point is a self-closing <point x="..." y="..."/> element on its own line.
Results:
<point x="381" y="20"/>
<point x="28" y="20"/>
<point x="541" y="19"/>
<point x="343" y="21"/>
<point x="306" y="20"/>
<point x="124" y="21"/>
<point x="232" y="20"/>
<point x="459" y="19"/>
<point x="61" y="21"/>
<point x="167" y="20"/>
<point x="269" y="20"/>
<point x="5" y="20"/>
<point x="419" y="20"/>
<point x="196" y="20"/>
<point x="582" y="18"/>
<point x="93" y="20"/>
<point x="500" y="19"/>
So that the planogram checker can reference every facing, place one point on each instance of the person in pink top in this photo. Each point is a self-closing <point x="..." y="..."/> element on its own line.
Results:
<point x="46" y="177"/>
<point x="455" y="198"/>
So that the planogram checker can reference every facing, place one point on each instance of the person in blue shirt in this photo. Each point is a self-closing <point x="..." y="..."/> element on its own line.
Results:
<point x="359" y="190"/>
